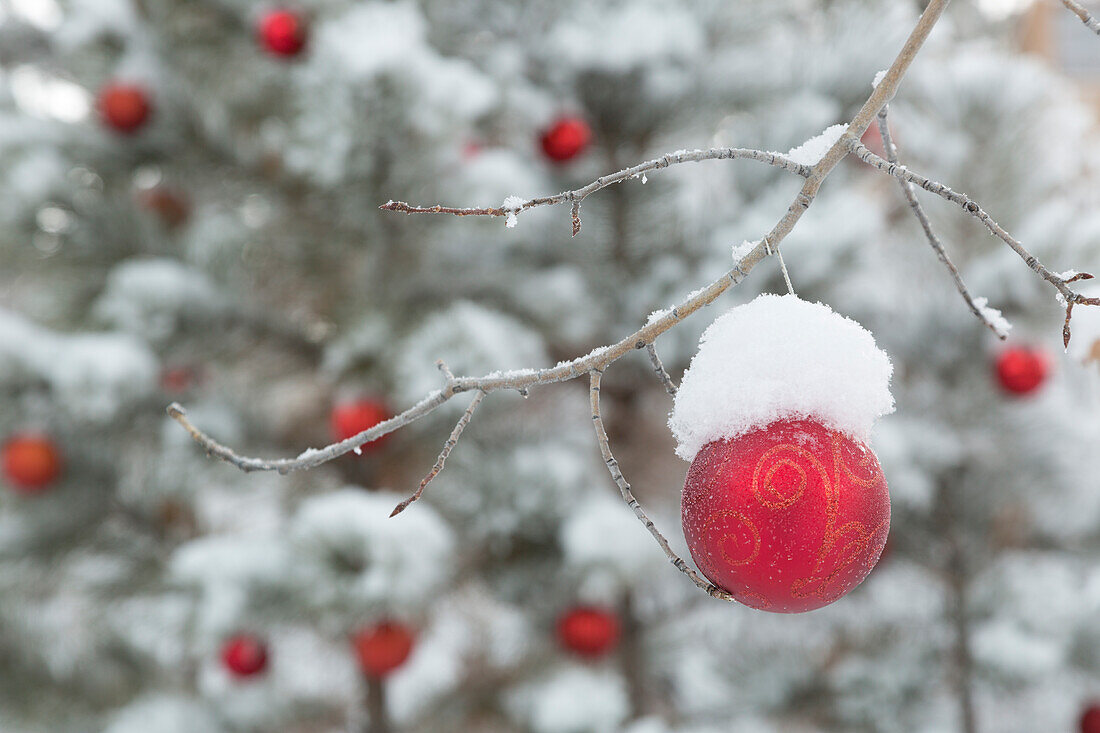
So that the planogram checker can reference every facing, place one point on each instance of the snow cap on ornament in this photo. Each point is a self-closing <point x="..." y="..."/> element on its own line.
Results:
<point x="780" y="358"/>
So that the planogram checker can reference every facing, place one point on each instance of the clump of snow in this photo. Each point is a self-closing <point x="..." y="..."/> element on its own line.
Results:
<point x="878" y="78"/>
<point x="775" y="358"/>
<point x="657" y="315"/>
<point x="814" y="149"/>
<point x="1000" y="324"/>
<point x="512" y="205"/>
<point x="740" y="251"/>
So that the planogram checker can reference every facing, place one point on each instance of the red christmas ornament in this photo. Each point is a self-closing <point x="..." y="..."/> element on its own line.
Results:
<point x="566" y="138"/>
<point x="1022" y="370"/>
<point x="353" y="418"/>
<point x="244" y="655"/>
<point x="283" y="33"/>
<point x="31" y="462"/>
<point x="1090" y="719"/>
<point x="787" y="518"/>
<point x="588" y="632"/>
<point x="382" y="648"/>
<point x="125" y="108"/>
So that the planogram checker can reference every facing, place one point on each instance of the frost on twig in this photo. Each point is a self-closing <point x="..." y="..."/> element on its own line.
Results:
<point x="991" y="317"/>
<point x="513" y="205"/>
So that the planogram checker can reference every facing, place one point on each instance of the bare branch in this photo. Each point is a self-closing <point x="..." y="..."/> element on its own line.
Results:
<point x="628" y="495"/>
<point x="659" y="368"/>
<point x="520" y="380"/>
<point x="575" y="197"/>
<point x="452" y="441"/>
<point x="1067" y="296"/>
<point x="879" y="98"/>
<point x="600" y="358"/>
<point x="1090" y="22"/>
<point x="918" y="211"/>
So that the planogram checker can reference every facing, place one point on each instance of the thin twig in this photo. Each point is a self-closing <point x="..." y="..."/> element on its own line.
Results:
<point x="452" y="441"/>
<point x="783" y="269"/>
<point x="782" y="265"/>
<point x="576" y="196"/>
<point x="628" y="495"/>
<point x="1092" y="24"/>
<point x="659" y="368"/>
<point x="1068" y="297"/>
<point x="918" y="211"/>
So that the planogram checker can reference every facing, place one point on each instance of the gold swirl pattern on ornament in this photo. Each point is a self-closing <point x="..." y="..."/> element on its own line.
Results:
<point x="754" y="599"/>
<point x="766" y="492"/>
<point x="821" y="581"/>
<point x="724" y="514"/>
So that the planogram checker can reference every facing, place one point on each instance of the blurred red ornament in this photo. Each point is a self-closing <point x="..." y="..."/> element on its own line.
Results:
<point x="124" y="107"/>
<point x="170" y="206"/>
<point x="283" y="33"/>
<point x="382" y="648"/>
<point x="176" y="380"/>
<point x="31" y="462"/>
<point x="566" y="139"/>
<point x="1090" y="719"/>
<point x="352" y="418"/>
<point x="1022" y="370"/>
<point x="589" y="632"/>
<point x="471" y="149"/>
<point x="787" y="518"/>
<point x="244" y="655"/>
